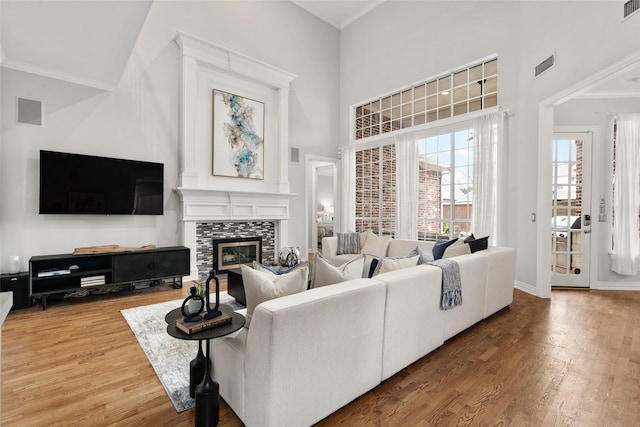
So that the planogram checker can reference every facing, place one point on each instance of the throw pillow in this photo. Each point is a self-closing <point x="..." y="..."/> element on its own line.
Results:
<point x="477" y="244"/>
<point x="277" y="269"/>
<point x="375" y="245"/>
<point x="348" y="243"/>
<point x="261" y="286"/>
<point x="441" y="246"/>
<point x="425" y="255"/>
<point x="372" y="267"/>
<point x="325" y="273"/>
<point x="386" y="264"/>
<point x="458" y="248"/>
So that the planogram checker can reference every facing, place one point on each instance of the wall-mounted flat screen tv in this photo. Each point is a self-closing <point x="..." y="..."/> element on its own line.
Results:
<point x="82" y="184"/>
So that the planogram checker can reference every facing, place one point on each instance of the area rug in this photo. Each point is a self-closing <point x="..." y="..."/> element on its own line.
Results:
<point x="169" y="357"/>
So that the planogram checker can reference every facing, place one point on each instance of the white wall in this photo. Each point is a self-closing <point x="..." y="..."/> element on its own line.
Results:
<point x="417" y="40"/>
<point x="139" y="120"/>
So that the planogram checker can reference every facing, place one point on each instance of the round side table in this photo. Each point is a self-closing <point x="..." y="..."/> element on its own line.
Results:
<point x="207" y="391"/>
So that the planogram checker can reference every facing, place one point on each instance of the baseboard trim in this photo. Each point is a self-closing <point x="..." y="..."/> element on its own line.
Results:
<point x="525" y="287"/>
<point x="617" y="286"/>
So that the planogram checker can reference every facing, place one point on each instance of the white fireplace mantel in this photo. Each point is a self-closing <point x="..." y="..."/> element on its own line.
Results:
<point x="216" y="205"/>
<point x="203" y="205"/>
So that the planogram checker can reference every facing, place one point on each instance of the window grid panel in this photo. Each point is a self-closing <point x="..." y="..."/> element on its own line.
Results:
<point x="460" y="92"/>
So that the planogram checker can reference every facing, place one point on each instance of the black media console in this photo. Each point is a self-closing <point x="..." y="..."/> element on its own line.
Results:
<point x="67" y="273"/>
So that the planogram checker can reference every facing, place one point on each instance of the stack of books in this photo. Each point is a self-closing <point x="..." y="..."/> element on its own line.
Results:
<point x="92" y="280"/>
<point x="203" y="324"/>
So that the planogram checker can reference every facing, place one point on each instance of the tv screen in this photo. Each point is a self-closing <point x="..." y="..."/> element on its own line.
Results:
<point x="81" y="184"/>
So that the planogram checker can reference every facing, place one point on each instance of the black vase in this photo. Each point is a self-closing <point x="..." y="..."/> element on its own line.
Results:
<point x="196" y="370"/>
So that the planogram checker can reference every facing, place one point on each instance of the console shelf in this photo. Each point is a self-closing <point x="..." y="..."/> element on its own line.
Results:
<point x="55" y="274"/>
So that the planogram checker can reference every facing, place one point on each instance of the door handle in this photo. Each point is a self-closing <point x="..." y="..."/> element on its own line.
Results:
<point x="586" y="231"/>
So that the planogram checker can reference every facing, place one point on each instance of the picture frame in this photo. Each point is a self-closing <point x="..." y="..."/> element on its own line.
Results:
<point x="237" y="136"/>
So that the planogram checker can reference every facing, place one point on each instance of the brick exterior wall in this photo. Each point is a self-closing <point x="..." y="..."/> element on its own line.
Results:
<point x="370" y="204"/>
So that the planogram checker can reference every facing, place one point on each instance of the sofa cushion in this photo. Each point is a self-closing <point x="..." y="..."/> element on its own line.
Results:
<point x="424" y="255"/>
<point x="458" y="248"/>
<point x="441" y="246"/>
<point x="261" y="286"/>
<point x="375" y="245"/>
<point x="477" y="244"/>
<point x="348" y="243"/>
<point x="325" y="273"/>
<point x="386" y="264"/>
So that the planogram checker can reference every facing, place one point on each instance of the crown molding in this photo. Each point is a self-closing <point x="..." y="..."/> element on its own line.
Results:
<point x="229" y="60"/>
<point x="55" y="74"/>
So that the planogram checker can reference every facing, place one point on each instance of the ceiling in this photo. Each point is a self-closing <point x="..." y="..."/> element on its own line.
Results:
<point x="338" y="13"/>
<point x="87" y="43"/>
<point x="622" y="84"/>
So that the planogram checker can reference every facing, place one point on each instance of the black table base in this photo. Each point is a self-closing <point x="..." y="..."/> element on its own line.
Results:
<point x="207" y="402"/>
<point x="197" y="370"/>
<point x="201" y="384"/>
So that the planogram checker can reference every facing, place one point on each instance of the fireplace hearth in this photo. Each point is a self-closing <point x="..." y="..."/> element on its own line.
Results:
<point x="230" y="253"/>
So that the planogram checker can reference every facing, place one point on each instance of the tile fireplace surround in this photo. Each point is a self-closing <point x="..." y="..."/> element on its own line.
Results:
<point x="208" y="232"/>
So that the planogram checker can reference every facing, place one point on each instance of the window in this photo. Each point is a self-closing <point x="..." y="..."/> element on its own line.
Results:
<point x="376" y="190"/>
<point x="463" y="91"/>
<point x="445" y="174"/>
<point x="445" y="185"/>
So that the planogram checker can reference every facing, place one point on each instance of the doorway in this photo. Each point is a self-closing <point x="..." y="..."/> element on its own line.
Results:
<point x="322" y="204"/>
<point x="570" y="209"/>
<point x="605" y="91"/>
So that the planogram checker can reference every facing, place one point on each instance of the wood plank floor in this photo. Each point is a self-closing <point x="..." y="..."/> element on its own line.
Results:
<point x="572" y="360"/>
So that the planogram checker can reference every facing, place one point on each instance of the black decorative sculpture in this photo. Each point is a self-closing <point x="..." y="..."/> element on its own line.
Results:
<point x="192" y="315"/>
<point x="215" y="311"/>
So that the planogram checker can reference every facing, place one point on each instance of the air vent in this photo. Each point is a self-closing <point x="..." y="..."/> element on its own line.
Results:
<point x="630" y="7"/>
<point x="29" y="112"/>
<point x="545" y="65"/>
<point x="295" y="155"/>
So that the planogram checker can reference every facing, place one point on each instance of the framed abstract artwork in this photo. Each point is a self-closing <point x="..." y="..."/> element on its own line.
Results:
<point x="238" y="136"/>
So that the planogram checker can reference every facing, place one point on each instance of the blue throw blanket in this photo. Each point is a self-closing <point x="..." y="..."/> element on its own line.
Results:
<point x="451" y="283"/>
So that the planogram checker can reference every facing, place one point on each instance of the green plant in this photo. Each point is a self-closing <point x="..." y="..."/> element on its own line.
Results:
<point x="201" y="288"/>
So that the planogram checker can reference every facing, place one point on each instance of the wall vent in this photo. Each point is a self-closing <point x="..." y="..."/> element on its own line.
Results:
<point x="630" y="7"/>
<point x="29" y="112"/>
<point x="545" y="65"/>
<point x="295" y="155"/>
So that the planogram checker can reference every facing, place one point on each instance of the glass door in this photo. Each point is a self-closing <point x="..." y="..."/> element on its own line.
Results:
<point x="570" y="215"/>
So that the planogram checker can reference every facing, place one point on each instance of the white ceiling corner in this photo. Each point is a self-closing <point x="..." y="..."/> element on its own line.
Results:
<point x="338" y="13"/>
<point x="87" y="43"/>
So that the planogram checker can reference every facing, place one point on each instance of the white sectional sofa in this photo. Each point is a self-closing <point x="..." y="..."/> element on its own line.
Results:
<point x="306" y="355"/>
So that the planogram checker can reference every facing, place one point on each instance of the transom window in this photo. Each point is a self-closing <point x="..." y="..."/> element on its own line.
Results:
<point x="462" y="91"/>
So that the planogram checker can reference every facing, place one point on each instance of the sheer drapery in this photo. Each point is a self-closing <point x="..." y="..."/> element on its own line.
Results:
<point x="626" y="196"/>
<point x="487" y="164"/>
<point x="406" y="186"/>
<point x="348" y="188"/>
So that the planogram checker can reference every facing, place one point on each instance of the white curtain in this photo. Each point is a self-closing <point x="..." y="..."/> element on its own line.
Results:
<point x="347" y="188"/>
<point x="406" y="186"/>
<point x="488" y="161"/>
<point x="626" y="196"/>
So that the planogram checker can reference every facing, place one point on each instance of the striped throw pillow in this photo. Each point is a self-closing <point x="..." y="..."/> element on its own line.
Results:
<point x="348" y="243"/>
